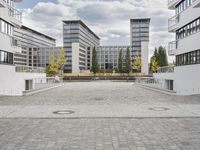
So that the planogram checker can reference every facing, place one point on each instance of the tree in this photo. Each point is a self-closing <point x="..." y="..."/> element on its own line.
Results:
<point x="61" y="60"/>
<point x="154" y="64"/>
<point x="120" y="62"/>
<point x="128" y="61"/>
<point x="161" y="56"/>
<point x="95" y="66"/>
<point x="137" y="65"/>
<point x="52" y="69"/>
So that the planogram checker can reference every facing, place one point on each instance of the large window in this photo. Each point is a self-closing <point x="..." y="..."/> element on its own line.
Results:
<point x="6" y="57"/>
<point x="6" y="28"/>
<point x="189" y="29"/>
<point x="188" y="58"/>
<point x="183" y="5"/>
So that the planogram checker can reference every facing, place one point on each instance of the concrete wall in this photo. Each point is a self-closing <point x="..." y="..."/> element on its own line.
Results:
<point x="12" y="83"/>
<point x="75" y="58"/>
<point x="145" y="57"/>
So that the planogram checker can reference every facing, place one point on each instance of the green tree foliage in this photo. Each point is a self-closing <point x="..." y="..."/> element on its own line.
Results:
<point x="52" y="69"/>
<point x="120" y="62"/>
<point x="95" y="66"/>
<point x="137" y="63"/>
<point x="128" y="61"/>
<point x="161" y="57"/>
<point x="61" y="60"/>
<point x="154" y="64"/>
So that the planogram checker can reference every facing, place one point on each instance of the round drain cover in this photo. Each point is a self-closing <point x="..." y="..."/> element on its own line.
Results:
<point x="159" y="109"/>
<point x="62" y="112"/>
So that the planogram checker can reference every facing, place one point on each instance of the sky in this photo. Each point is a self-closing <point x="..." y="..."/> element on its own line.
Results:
<point x="109" y="19"/>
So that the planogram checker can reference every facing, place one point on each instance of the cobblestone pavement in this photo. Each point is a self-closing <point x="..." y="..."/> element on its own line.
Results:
<point x="100" y="134"/>
<point x="101" y="120"/>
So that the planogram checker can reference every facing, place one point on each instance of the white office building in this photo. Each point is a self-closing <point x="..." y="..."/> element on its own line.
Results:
<point x="184" y="77"/>
<point x="12" y="80"/>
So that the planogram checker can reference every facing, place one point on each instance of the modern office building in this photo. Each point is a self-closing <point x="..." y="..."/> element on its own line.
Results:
<point x="12" y="82"/>
<point x="44" y="54"/>
<point x="78" y="41"/>
<point x="184" y="77"/>
<point x="108" y="56"/>
<point x="139" y="40"/>
<point x="31" y="41"/>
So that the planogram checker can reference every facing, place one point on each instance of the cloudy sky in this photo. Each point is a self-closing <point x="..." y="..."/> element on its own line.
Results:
<point x="109" y="19"/>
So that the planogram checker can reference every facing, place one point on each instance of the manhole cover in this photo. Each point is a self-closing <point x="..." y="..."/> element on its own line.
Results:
<point x="60" y="112"/>
<point x="159" y="109"/>
<point x="98" y="99"/>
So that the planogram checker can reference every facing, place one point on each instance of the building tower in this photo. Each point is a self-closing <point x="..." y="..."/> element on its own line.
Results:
<point x="78" y="41"/>
<point x="139" y="41"/>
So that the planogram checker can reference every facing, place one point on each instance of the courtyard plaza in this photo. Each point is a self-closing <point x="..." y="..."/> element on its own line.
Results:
<point x="100" y="115"/>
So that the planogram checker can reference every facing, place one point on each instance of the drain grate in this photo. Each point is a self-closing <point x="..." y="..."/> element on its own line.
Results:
<point x="63" y="112"/>
<point x="98" y="99"/>
<point x="159" y="108"/>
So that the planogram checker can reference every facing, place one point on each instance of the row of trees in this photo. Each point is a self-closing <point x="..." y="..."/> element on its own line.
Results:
<point x="159" y="59"/>
<point x="56" y="67"/>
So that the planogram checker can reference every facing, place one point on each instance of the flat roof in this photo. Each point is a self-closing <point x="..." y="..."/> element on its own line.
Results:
<point x="140" y="19"/>
<point x="36" y="32"/>
<point x="83" y="24"/>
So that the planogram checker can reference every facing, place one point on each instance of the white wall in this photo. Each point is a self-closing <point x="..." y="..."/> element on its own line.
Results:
<point x="187" y="79"/>
<point x="75" y="58"/>
<point x="12" y="83"/>
<point x="189" y="43"/>
<point x="145" y="57"/>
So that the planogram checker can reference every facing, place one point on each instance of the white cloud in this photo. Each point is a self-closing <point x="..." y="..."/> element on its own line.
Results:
<point x="109" y="19"/>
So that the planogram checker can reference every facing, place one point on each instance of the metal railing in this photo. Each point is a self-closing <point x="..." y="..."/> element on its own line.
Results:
<point x="29" y="69"/>
<point x="173" y="21"/>
<point x="166" y="69"/>
<point x="151" y="82"/>
<point x="16" y="14"/>
<point x="172" y="47"/>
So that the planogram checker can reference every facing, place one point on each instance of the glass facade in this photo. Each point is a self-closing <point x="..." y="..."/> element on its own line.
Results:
<point x="188" y="29"/>
<point x="6" y="57"/>
<point x="188" y="58"/>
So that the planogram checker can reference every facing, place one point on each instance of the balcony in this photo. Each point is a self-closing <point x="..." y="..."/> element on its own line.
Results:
<point x="16" y="45"/>
<point x="166" y="69"/>
<point x="16" y="15"/>
<point x="172" y="3"/>
<point x="172" y="47"/>
<point x="2" y="3"/>
<point x="29" y="69"/>
<point x="172" y="23"/>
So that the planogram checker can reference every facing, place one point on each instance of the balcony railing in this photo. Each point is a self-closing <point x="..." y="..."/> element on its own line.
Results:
<point x="16" y="14"/>
<point x="166" y="69"/>
<point x="172" y="47"/>
<point x="29" y="69"/>
<point x="173" y="21"/>
<point x="172" y="2"/>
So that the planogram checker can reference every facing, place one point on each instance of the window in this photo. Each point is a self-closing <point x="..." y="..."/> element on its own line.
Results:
<point x="189" y="29"/>
<point x="183" y="5"/>
<point x="6" y="57"/>
<point x="188" y="58"/>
